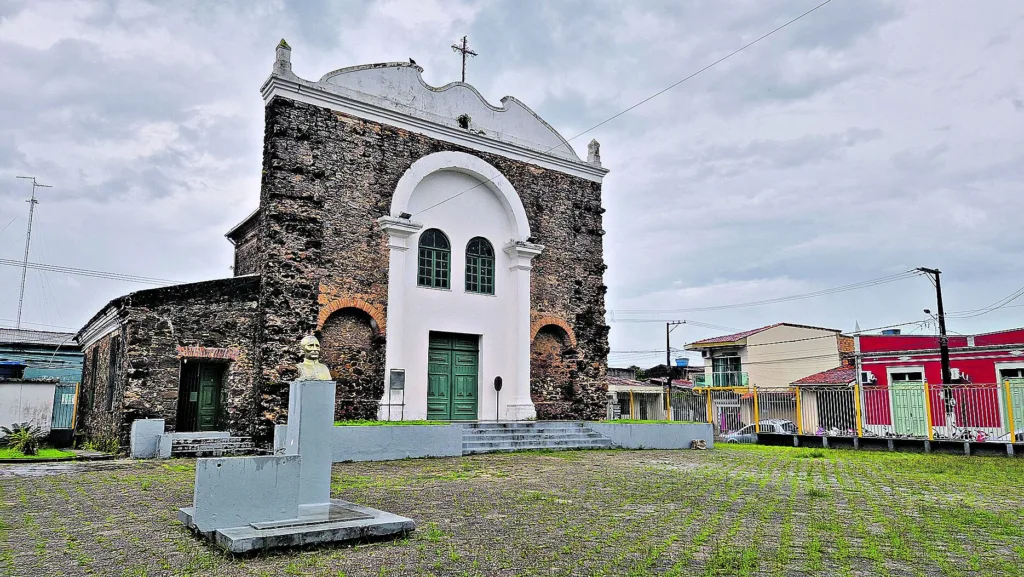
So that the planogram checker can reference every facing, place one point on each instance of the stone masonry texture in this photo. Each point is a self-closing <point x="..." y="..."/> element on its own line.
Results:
<point x="153" y="324"/>
<point x="317" y="262"/>
<point x="327" y="176"/>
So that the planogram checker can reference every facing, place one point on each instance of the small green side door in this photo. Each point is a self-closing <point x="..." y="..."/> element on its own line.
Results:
<point x="209" y="397"/>
<point x="452" y="377"/>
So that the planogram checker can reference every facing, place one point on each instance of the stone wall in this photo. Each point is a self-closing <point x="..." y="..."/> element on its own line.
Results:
<point x="553" y="376"/>
<point x="327" y="176"/>
<point x="354" y="352"/>
<point x="157" y="328"/>
<point x="105" y="367"/>
<point x="247" y="258"/>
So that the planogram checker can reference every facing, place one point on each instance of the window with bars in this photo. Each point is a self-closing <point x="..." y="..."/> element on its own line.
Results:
<point x="480" y="266"/>
<point x="435" y="258"/>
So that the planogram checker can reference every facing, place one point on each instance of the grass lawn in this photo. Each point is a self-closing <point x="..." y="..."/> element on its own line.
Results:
<point x="737" y="510"/>
<point x="386" y="423"/>
<point x="43" y="454"/>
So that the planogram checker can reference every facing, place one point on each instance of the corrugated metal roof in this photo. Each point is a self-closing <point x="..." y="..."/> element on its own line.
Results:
<point x="28" y="337"/>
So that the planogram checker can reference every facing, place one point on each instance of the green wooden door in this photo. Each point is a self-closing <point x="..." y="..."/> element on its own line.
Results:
<point x="439" y="384"/>
<point x="452" y="380"/>
<point x="908" y="408"/>
<point x="209" y="397"/>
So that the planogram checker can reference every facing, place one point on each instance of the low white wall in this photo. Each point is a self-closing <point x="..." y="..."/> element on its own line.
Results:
<point x="388" y="443"/>
<point x="654" y="436"/>
<point x="26" y="402"/>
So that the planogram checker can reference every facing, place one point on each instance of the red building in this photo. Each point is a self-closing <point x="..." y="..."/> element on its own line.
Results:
<point x="985" y="396"/>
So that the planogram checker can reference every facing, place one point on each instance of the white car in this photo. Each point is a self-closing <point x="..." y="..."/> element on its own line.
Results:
<point x="771" y="426"/>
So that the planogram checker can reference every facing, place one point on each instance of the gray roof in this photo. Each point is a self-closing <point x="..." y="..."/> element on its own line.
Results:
<point x="27" y="337"/>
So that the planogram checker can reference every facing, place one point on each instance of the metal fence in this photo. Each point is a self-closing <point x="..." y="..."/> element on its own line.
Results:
<point x="990" y="412"/>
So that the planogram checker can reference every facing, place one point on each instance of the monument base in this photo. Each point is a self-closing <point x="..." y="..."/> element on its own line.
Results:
<point x="342" y="522"/>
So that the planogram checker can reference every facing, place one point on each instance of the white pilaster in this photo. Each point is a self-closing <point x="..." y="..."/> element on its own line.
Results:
<point x="399" y="230"/>
<point x="521" y="253"/>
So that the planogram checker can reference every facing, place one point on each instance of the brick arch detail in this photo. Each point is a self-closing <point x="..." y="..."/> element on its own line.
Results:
<point x="542" y="322"/>
<point x="352" y="303"/>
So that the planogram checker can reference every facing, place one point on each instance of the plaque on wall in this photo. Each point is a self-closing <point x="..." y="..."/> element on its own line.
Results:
<point x="397" y="379"/>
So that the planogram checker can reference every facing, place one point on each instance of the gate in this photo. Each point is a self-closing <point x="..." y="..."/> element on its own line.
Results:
<point x="65" y="399"/>
<point x="909" y="408"/>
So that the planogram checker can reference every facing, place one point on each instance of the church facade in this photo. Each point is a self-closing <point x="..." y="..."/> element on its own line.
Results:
<point x="436" y="244"/>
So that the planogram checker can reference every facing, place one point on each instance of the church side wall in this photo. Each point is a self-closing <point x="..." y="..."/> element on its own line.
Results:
<point x="94" y="418"/>
<point x="328" y="176"/>
<point x="247" y="259"/>
<point x="218" y="317"/>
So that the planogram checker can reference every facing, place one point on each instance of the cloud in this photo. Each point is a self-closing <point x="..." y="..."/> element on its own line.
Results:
<point x="855" y="143"/>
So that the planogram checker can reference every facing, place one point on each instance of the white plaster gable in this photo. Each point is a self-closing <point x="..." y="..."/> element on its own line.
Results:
<point x="395" y="93"/>
<point x="400" y="86"/>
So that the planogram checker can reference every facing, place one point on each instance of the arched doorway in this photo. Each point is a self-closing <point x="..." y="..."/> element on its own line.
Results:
<point x="352" y="347"/>
<point x="553" y="374"/>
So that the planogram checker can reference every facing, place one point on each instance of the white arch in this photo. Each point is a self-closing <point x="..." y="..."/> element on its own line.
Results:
<point x="466" y="164"/>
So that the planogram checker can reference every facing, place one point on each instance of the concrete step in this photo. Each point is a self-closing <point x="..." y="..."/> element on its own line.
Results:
<point x="213" y="447"/>
<point x="504" y="448"/>
<point x="550" y="435"/>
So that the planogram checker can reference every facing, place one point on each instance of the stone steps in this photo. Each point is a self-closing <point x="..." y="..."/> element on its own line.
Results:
<point x="213" y="447"/>
<point x="530" y="436"/>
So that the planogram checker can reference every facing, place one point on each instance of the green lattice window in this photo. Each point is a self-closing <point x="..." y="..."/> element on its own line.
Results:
<point x="480" y="266"/>
<point x="435" y="260"/>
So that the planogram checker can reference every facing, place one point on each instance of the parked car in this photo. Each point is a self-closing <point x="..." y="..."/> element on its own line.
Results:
<point x="748" y="434"/>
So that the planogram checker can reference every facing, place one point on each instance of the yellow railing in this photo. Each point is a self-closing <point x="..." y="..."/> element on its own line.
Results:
<point x="988" y="412"/>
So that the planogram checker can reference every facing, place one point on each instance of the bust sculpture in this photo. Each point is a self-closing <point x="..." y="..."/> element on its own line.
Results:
<point x="311" y="369"/>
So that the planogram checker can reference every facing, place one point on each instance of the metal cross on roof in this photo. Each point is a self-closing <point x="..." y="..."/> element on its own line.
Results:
<point x="464" y="49"/>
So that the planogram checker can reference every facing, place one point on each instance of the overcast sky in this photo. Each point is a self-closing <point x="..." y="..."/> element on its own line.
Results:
<point x="869" y="138"/>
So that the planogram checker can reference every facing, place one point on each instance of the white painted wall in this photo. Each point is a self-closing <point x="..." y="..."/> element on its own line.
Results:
<point x="783" y="354"/>
<point x="22" y="402"/>
<point x="495" y="318"/>
<point x="400" y="87"/>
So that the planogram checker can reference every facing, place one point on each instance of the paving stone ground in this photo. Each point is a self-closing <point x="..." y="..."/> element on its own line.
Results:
<point x="744" y="510"/>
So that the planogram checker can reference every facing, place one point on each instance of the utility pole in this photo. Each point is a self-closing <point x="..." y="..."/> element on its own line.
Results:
<point x="464" y="49"/>
<point x="669" y="327"/>
<point x="32" y="202"/>
<point x="943" y="339"/>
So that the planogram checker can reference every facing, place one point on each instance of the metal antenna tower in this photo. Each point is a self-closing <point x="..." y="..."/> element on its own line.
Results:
<point x="28" y="241"/>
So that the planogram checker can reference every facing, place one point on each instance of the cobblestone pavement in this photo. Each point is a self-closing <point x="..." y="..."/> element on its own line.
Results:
<point x="744" y="510"/>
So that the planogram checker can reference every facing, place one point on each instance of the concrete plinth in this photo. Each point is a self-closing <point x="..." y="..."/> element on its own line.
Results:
<point x="309" y="529"/>
<point x="310" y="425"/>
<point x="145" y="438"/>
<point x="244" y="504"/>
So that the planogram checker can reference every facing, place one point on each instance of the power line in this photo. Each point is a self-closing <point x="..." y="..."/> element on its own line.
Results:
<point x="8" y="224"/>
<point x="824" y="292"/>
<point x="39" y="325"/>
<point x="644" y="101"/>
<point x="89" y="272"/>
<point x="992" y="307"/>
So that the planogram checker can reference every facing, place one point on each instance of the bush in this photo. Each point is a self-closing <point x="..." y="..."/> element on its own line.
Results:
<point x="22" y="437"/>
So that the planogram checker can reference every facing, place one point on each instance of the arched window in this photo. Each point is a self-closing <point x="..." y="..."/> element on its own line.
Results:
<point x="479" y="266"/>
<point x="435" y="259"/>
